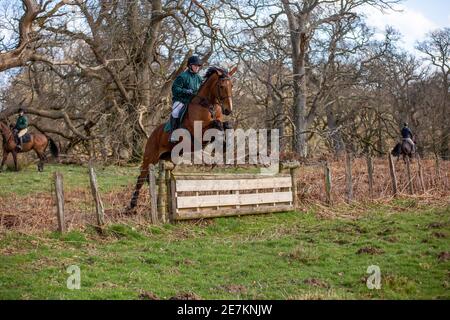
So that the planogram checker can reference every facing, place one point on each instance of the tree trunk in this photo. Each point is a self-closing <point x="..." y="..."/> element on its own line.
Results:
<point x="335" y="135"/>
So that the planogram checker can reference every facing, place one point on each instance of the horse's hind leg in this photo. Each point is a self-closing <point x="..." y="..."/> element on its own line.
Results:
<point x="42" y="158"/>
<point x="143" y="176"/>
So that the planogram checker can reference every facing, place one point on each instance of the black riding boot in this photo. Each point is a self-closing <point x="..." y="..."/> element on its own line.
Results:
<point x="174" y="123"/>
<point x="19" y="144"/>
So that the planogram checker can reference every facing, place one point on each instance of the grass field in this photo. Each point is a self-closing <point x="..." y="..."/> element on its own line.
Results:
<point x="293" y="255"/>
<point x="29" y="180"/>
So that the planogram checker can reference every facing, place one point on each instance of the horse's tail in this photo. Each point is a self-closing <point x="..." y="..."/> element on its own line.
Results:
<point x="53" y="148"/>
<point x="397" y="150"/>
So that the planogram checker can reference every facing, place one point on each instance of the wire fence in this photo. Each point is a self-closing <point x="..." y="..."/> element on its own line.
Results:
<point x="36" y="210"/>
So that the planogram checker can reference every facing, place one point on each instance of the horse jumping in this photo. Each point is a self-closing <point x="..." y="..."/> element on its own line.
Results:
<point x="38" y="142"/>
<point x="212" y="101"/>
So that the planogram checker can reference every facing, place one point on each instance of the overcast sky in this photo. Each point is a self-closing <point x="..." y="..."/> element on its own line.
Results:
<point x="414" y="21"/>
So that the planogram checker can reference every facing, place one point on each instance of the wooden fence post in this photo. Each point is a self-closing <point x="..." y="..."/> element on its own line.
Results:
<point x="294" y="174"/>
<point x="422" y="184"/>
<point x="153" y="194"/>
<point x="168" y="166"/>
<point x="60" y="201"/>
<point x="162" y="193"/>
<point x="327" y="174"/>
<point x="348" y="177"/>
<point x="408" y="172"/>
<point x="293" y="167"/>
<point x="370" y="174"/>
<point x="438" y="171"/>
<point x="99" y="210"/>
<point x="393" y="175"/>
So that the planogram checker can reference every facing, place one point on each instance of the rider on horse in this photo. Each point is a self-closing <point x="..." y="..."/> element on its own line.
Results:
<point x="21" y="128"/>
<point x="408" y="136"/>
<point x="184" y="88"/>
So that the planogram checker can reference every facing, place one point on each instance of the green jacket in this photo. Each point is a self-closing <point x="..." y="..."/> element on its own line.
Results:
<point x="22" y="123"/>
<point x="185" y="81"/>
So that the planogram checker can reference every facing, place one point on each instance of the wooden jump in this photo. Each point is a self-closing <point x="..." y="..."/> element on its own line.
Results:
<point x="199" y="195"/>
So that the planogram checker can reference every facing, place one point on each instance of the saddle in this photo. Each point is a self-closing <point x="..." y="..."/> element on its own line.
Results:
<point x="168" y="125"/>
<point x="25" y="138"/>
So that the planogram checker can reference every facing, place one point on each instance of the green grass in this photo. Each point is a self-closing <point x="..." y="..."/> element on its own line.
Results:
<point x="29" y="180"/>
<point x="278" y="256"/>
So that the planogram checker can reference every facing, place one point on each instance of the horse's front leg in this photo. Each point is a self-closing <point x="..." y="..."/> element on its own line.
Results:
<point x="5" y="156"/>
<point x="15" y="160"/>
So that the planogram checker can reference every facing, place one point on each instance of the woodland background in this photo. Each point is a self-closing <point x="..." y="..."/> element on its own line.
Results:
<point x="96" y="74"/>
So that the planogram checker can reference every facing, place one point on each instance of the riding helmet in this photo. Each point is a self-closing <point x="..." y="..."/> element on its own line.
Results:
<point x="194" y="60"/>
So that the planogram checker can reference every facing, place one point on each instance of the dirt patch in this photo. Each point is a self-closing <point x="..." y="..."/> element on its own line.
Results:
<point x="439" y="235"/>
<point x="341" y="242"/>
<point x="185" y="296"/>
<point x="234" y="288"/>
<point x="370" y="250"/>
<point x="391" y="239"/>
<point x="436" y="225"/>
<point x="313" y="282"/>
<point x="186" y="262"/>
<point x="444" y="256"/>
<point x="147" y="295"/>
<point x="386" y="232"/>
<point x="9" y="221"/>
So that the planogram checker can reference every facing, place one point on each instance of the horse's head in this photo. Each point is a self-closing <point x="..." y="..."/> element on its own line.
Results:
<point x="223" y="88"/>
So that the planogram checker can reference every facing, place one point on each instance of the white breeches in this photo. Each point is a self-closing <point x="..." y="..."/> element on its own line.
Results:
<point x="176" y="109"/>
<point x="22" y="132"/>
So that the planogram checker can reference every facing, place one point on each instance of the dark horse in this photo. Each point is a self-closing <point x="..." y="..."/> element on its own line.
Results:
<point x="212" y="101"/>
<point x="38" y="142"/>
<point x="404" y="149"/>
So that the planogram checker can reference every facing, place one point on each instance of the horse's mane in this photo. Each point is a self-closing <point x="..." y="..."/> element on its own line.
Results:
<point x="211" y="70"/>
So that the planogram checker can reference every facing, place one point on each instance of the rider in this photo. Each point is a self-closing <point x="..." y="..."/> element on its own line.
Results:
<point x="408" y="136"/>
<point x="184" y="88"/>
<point x="21" y="127"/>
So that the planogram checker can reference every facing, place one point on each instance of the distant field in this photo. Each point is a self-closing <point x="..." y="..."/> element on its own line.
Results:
<point x="295" y="255"/>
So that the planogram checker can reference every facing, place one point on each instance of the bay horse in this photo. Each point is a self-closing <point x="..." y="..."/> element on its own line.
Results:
<point x="38" y="142"/>
<point x="404" y="149"/>
<point x="213" y="100"/>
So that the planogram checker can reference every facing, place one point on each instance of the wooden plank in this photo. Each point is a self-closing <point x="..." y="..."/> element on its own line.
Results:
<point x="99" y="210"/>
<point x="186" y="215"/>
<point x="224" y="176"/>
<point x="233" y="184"/>
<point x="59" y="189"/>
<point x="232" y="199"/>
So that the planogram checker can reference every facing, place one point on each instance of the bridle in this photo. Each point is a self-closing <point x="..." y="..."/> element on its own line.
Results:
<point x="218" y="97"/>
<point x="220" y="100"/>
